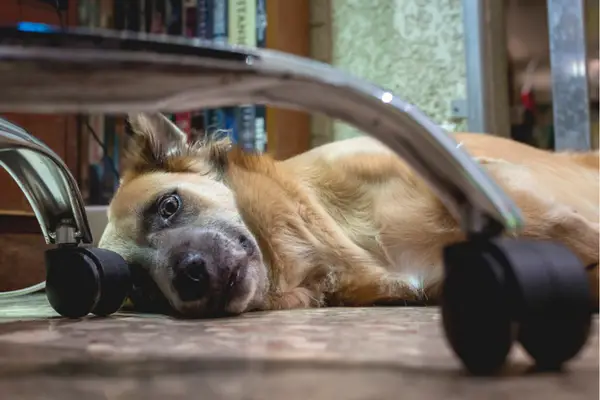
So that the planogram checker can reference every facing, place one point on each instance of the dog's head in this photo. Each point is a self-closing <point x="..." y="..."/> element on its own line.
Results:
<point x="174" y="218"/>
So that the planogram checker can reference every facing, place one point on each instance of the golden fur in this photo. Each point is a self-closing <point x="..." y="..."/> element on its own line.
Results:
<point x="349" y="223"/>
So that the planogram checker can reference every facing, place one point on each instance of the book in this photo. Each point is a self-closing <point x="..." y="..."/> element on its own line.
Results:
<point x="261" y="142"/>
<point x="134" y="16"/>
<point x="92" y="124"/>
<point x="83" y="19"/>
<point x="109" y="146"/>
<point x="155" y="16"/>
<point x="202" y="29"/>
<point x="189" y="21"/>
<point x="88" y="13"/>
<point x="174" y="17"/>
<point x="219" y="119"/>
<point x="106" y="16"/>
<point x="142" y="15"/>
<point x="83" y="12"/>
<point x="242" y="31"/>
<point x="188" y="28"/>
<point x="203" y="20"/>
<point x="120" y="14"/>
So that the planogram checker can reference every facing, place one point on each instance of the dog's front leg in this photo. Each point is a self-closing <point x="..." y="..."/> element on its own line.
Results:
<point x="375" y="286"/>
<point x="299" y="297"/>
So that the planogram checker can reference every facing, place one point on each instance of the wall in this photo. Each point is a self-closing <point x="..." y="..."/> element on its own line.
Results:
<point x="412" y="47"/>
<point x="528" y="39"/>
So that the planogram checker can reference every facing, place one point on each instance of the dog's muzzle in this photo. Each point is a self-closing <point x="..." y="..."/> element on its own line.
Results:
<point x="211" y="265"/>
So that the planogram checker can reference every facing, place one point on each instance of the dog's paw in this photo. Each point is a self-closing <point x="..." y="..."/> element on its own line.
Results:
<point x="299" y="297"/>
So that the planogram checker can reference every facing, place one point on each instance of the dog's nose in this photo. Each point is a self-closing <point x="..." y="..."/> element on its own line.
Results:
<point x="208" y="265"/>
<point x="191" y="276"/>
<point x="193" y="266"/>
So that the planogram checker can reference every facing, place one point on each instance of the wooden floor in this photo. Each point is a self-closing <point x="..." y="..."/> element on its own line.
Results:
<point x="367" y="353"/>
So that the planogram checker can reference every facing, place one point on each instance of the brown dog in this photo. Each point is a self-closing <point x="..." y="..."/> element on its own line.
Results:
<point x="221" y="232"/>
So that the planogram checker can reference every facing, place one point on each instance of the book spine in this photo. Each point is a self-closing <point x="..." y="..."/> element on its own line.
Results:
<point x="242" y="31"/>
<point x="120" y="15"/>
<point x="106" y="8"/>
<point x="196" y="15"/>
<point x="219" y="119"/>
<point x="174" y="17"/>
<point x="94" y="123"/>
<point x="203" y="20"/>
<point x="126" y="15"/>
<point x="111" y="163"/>
<point x="160" y="16"/>
<point x="190" y="18"/>
<point x="203" y="29"/>
<point x="142" y="15"/>
<point x="83" y="12"/>
<point x="157" y="17"/>
<point x="261" y="110"/>
<point x="134" y="16"/>
<point x="85" y="146"/>
<point x="188" y="28"/>
<point x="149" y="25"/>
<point x="219" y="21"/>
<point x="95" y="13"/>
<point x="109" y="180"/>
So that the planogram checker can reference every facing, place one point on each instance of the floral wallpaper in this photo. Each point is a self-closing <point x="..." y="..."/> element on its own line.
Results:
<point x="414" y="48"/>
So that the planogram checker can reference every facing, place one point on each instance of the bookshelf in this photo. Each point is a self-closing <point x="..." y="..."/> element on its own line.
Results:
<point x="75" y="138"/>
<point x="21" y="262"/>
<point x="281" y="25"/>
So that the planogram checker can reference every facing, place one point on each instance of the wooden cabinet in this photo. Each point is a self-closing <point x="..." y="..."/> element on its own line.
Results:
<point x="21" y="253"/>
<point x="288" y="30"/>
<point x="57" y="131"/>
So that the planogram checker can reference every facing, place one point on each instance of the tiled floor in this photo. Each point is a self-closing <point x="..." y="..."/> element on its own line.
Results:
<point x="374" y="353"/>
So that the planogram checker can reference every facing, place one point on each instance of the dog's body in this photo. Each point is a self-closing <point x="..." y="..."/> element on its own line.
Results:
<point x="347" y="223"/>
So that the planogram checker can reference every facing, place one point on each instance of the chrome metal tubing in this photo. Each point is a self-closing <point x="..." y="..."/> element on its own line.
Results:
<point x="569" y="68"/>
<point x="47" y="184"/>
<point x="46" y="70"/>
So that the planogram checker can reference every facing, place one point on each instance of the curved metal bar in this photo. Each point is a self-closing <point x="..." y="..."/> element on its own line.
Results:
<point x="50" y="71"/>
<point x="47" y="184"/>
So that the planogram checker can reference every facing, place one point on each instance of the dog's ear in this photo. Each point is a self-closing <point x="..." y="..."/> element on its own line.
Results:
<point x="215" y="148"/>
<point x="158" y="131"/>
<point x="158" y="144"/>
<point x="154" y="139"/>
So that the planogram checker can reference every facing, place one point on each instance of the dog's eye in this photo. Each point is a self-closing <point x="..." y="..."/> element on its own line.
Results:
<point x="169" y="205"/>
<point x="245" y="242"/>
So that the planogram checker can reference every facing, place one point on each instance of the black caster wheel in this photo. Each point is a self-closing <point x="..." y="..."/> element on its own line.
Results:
<point x="81" y="280"/>
<point x="502" y="290"/>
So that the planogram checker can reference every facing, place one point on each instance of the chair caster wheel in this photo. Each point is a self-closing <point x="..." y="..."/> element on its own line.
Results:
<point x="500" y="290"/>
<point x="81" y="280"/>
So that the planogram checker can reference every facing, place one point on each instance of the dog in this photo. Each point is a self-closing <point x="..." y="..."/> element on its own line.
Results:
<point x="214" y="231"/>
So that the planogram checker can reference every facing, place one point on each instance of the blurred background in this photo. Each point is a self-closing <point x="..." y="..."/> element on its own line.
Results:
<point x="525" y="69"/>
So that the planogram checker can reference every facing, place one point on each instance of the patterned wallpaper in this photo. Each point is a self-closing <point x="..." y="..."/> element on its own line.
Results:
<point x="412" y="47"/>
